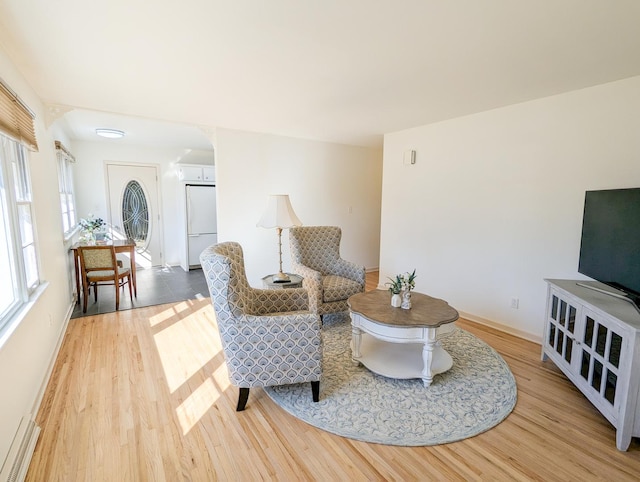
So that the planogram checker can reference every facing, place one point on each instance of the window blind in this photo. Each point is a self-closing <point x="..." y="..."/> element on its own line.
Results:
<point x="64" y="151"/>
<point x="16" y="119"/>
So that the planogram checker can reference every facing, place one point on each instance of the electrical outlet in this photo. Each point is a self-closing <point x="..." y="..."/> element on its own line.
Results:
<point x="515" y="303"/>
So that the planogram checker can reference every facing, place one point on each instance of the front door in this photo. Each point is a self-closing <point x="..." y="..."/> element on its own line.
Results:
<point x="134" y="209"/>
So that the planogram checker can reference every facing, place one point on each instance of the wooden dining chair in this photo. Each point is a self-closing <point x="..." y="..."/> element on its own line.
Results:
<point x="99" y="266"/>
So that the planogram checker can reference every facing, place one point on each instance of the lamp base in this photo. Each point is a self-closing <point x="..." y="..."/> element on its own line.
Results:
<point x="280" y="278"/>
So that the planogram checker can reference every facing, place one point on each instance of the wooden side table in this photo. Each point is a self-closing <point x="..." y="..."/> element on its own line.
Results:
<point x="295" y="282"/>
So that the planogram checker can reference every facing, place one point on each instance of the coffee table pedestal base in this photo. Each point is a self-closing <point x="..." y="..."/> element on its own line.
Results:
<point x="401" y="360"/>
<point x="399" y="352"/>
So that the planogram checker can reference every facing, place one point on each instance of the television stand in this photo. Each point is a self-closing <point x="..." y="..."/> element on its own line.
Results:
<point x="594" y="338"/>
<point x="620" y="295"/>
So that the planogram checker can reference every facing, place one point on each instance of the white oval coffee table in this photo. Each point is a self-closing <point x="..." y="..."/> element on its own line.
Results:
<point x="398" y="343"/>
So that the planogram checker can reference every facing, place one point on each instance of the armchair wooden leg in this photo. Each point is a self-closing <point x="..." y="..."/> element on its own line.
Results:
<point x="243" y="396"/>
<point x="315" y="390"/>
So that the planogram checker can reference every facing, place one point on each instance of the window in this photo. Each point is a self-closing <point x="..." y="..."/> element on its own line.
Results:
<point x="18" y="259"/>
<point x="135" y="213"/>
<point x="65" y="187"/>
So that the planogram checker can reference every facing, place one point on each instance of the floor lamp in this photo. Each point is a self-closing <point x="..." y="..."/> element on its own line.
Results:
<point x="279" y="214"/>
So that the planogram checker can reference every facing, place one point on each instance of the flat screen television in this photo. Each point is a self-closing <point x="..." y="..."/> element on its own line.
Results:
<point x="610" y="245"/>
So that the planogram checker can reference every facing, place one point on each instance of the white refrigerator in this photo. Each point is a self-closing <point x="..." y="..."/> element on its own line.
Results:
<point x="202" y="222"/>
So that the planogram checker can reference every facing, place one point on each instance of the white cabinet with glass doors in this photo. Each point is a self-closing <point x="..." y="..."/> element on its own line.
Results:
<point x="594" y="338"/>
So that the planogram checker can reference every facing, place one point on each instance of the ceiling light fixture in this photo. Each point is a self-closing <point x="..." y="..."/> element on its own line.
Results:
<point x="110" y="133"/>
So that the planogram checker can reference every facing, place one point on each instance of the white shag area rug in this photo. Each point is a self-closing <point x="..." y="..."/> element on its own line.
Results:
<point x="476" y="394"/>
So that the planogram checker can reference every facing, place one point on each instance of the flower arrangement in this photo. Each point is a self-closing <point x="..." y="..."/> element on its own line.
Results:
<point x="91" y="224"/>
<point x="408" y="280"/>
<point x="93" y="229"/>
<point x="395" y="285"/>
<point x="402" y="282"/>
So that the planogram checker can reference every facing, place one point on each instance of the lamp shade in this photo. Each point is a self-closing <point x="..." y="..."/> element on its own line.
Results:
<point x="279" y="213"/>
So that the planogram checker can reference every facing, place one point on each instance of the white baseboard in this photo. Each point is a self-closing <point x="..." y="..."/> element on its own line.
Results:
<point x="15" y="466"/>
<point x="54" y="356"/>
<point x="502" y="327"/>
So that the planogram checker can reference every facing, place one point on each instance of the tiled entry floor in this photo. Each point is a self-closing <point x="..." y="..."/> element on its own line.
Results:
<point x="155" y="287"/>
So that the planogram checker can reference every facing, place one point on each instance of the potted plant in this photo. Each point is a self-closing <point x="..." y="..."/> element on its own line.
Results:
<point x="408" y="283"/>
<point x="92" y="228"/>
<point x="395" y="288"/>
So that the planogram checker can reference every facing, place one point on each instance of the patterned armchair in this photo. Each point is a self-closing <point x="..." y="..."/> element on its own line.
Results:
<point x="330" y="280"/>
<point x="268" y="336"/>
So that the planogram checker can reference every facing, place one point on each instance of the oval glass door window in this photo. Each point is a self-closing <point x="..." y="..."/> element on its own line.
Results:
<point x="135" y="214"/>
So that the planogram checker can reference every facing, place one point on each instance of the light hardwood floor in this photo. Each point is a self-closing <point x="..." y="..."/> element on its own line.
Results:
<point x="142" y="395"/>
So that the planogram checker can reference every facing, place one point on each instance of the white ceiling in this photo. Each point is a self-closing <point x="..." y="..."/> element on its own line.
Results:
<point x="344" y="71"/>
<point x="82" y="124"/>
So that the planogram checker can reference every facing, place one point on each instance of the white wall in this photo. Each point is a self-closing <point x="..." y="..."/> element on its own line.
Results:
<point x="328" y="184"/>
<point x="27" y="353"/>
<point x="494" y="202"/>
<point x="197" y="156"/>
<point x="91" y="188"/>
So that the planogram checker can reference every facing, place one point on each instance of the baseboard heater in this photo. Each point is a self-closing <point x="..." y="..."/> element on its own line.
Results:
<point x="15" y="466"/>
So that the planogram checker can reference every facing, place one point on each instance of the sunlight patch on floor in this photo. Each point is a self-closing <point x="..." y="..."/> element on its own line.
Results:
<point x="182" y="306"/>
<point x="196" y="405"/>
<point x="221" y="377"/>
<point x="161" y="317"/>
<point x="185" y="347"/>
<point x="178" y="307"/>
<point x="143" y="260"/>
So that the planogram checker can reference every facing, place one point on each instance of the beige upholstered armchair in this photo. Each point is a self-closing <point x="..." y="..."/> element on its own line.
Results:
<point x="330" y="280"/>
<point x="269" y="337"/>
